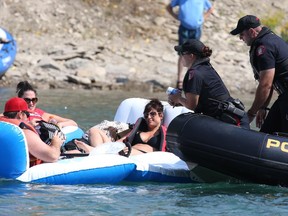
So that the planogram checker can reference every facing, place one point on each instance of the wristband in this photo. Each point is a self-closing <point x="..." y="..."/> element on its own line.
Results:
<point x="265" y="108"/>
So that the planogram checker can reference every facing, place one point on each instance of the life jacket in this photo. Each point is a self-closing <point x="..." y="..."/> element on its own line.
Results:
<point x="33" y="160"/>
<point x="36" y="114"/>
<point x="141" y="123"/>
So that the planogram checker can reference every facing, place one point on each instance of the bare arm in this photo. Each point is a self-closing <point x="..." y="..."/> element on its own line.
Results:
<point x="42" y="151"/>
<point x="208" y="12"/>
<point x="171" y="12"/>
<point x="190" y="101"/>
<point x="263" y="93"/>
<point x="61" y="122"/>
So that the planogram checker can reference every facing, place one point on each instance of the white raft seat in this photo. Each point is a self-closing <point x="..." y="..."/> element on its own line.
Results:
<point x="154" y="166"/>
<point x="132" y="108"/>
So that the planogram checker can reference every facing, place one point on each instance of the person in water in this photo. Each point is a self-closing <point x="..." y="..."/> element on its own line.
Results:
<point x="28" y="93"/>
<point x="147" y="135"/>
<point x="204" y="90"/>
<point x="16" y="112"/>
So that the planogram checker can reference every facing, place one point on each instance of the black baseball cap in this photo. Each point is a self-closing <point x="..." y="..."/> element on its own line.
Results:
<point x="246" y="22"/>
<point x="193" y="46"/>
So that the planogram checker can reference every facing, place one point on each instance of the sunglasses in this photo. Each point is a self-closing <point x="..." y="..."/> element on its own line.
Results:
<point x="26" y="113"/>
<point x="185" y="53"/>
<point x="33" y="100"/>
<point x="152" y="114"/>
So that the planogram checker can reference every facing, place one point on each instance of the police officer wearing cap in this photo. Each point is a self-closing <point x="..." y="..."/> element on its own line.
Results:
<point x="204" y="90"/>
<point x="269" y="60"/>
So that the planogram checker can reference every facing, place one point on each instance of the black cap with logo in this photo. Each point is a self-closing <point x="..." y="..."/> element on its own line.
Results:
<point x="246" y="22"/>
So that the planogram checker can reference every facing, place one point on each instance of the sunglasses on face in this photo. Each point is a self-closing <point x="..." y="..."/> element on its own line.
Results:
<point x="26" y="113"/>
<point x="185" y="53"/>
<point x="33" y="100"/>
<point x="152" y="114"/>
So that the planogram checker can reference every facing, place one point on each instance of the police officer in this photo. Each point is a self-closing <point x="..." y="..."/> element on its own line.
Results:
<point x="204" y="89"/>
<point x="269" y="60"/>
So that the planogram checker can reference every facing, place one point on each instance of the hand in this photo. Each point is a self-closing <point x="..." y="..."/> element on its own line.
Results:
<point x="260" y="117"/>
<point x="83" y="146"/>
<point x="171" y="103"/>
<point x="174" y="99"/>
<point x="34" y="122"/>
<point x="58" y="138"/>
<point x="250" y="115"/>
<point x="52" y="121"/>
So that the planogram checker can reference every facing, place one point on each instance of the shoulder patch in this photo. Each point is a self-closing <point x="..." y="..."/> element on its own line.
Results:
<point x="260" y="50"/>
<point x="191" y="74"/>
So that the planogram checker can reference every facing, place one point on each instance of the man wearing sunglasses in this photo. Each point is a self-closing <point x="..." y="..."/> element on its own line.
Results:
<point x="16" y="112"/>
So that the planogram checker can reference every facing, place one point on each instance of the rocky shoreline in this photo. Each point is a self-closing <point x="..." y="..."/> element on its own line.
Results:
<point x="92" y="45"/>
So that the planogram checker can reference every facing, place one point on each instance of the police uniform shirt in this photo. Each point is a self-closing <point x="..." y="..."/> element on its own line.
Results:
<point x="270" y="50"/>
<point x="201" y="79"/>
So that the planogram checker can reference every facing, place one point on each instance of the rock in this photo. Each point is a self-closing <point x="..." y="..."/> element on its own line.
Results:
<point x="93" y="72"/>
<point x="84" y="44"/>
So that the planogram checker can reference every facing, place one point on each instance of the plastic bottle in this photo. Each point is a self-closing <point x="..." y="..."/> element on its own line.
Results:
<point x="171" y="91"/>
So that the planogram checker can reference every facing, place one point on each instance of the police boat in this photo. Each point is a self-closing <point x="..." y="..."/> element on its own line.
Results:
<point x="243" y="154"/>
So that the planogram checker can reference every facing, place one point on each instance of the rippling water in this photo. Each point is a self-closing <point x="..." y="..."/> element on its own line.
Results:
<point x="143" y="199"/>
<point x="91" y="107"/>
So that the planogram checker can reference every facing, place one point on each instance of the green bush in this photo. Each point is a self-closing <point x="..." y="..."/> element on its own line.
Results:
<point x="274" y="20"/>
<point x="275" y="23"/>
<point x="284" y="32"/>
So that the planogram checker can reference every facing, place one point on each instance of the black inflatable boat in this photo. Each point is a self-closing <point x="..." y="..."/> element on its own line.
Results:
<point x="243" y="154"/>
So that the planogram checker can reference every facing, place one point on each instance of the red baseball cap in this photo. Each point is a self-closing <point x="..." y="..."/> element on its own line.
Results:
<point x="16" y="104"/>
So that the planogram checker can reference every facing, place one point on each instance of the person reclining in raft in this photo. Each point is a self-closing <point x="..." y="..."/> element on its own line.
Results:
<point x="29" y="94"/>
<point x="147" y="135"/>
<point x="204" y="90"/>
<point x="16" y="112"/>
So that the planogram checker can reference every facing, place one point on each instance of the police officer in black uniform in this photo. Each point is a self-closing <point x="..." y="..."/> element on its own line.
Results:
<point x="204" y="89"/>
<point x="269" y="60"/>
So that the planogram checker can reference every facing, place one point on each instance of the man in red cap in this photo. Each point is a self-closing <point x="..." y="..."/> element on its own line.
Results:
<point x="16" y="112"/>
<point x="269" y="60"/>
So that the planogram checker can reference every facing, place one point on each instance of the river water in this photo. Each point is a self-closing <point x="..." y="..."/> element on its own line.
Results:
<point x="91" y="107"/>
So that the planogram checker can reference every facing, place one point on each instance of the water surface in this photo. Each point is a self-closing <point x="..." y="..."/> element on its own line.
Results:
<point x="91" y="107"/>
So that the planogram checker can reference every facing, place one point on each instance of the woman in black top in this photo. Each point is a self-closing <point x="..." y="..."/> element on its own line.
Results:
<point x="147" y="135"/>
<point x="203" y="88"/>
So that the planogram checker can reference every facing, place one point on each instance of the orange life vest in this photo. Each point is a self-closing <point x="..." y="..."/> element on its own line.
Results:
<point x="33" y="160"/>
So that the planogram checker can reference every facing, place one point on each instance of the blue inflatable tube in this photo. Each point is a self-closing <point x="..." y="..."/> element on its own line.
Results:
<point x="103" y="165"/>
<point x="8" y="50"/>
<point x="97" y="169"/>
<point x="14" y="155"/>
<point x="72" y="132"/>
